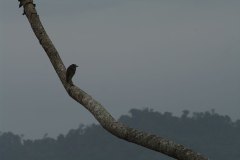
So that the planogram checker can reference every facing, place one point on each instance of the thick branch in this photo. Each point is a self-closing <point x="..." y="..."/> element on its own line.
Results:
<point x="153" y="142"/>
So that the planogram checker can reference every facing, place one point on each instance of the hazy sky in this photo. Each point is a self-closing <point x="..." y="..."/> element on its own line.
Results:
<point x="168" y="55"/>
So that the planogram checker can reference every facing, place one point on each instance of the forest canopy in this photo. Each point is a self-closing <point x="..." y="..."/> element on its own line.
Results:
<point x="217" y="136"/>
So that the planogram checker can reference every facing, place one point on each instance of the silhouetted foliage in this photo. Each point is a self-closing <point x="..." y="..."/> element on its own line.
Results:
<point x="215" y="135"/>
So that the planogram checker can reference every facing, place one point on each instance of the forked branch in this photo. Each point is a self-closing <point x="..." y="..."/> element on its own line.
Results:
<point x="152" y="142"/>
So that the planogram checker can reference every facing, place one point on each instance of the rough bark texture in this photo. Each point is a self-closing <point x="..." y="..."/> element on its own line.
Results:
<point x="153" y="142"/>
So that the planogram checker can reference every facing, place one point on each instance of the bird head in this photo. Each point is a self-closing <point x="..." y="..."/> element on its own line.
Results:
<point x="74" y="65"/>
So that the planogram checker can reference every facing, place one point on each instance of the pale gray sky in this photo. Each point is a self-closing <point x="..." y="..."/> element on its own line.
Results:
<point x="166" y="55"/>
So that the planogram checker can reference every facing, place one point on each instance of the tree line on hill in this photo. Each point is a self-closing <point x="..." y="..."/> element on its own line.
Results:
<point x="209" y="133"/>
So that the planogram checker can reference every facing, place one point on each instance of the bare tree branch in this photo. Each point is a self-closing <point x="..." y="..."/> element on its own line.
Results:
<point x="152" y="142"/>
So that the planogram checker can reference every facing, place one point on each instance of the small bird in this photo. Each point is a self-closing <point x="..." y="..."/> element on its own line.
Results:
<point x="70" y="73"/>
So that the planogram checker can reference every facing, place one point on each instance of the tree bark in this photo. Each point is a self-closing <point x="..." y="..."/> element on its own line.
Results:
<point x="118" y="129"/>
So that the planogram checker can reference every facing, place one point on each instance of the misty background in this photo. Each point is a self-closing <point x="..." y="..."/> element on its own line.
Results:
<point x="165" y="55"/>
<point x="209" y="133"/>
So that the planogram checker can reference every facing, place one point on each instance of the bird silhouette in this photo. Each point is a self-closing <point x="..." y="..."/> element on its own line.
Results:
<point x="70" y="73"/>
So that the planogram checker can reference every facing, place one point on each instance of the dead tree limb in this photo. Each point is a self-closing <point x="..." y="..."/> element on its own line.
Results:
<point x="118" y="129"/>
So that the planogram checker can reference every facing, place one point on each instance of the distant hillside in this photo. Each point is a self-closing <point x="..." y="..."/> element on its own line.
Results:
<point x="214" y="135"/>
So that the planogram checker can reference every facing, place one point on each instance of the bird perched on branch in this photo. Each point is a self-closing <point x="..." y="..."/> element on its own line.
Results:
<point x="70" y="73"/>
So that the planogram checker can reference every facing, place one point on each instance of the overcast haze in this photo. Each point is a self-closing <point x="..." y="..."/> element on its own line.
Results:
<point x="166" y="55"/>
